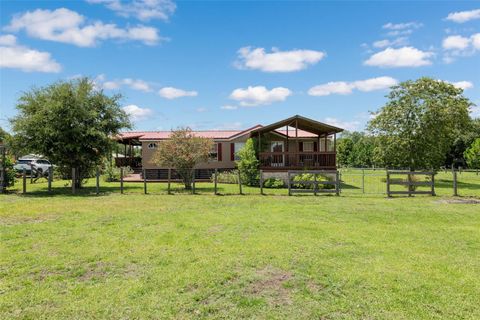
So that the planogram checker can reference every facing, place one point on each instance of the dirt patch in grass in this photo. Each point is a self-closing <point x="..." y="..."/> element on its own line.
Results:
<point x="16" y="220"/>
<point x="215" y="229"/>
<point x="270" y="284"/>
<point x="460" y="201"/>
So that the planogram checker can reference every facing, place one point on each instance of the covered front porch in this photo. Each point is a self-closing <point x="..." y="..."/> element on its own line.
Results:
<point x="130" y="145"/>
<point x="297" y="143"/>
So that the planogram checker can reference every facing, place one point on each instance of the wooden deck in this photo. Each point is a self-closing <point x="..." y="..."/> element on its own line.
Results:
<point x="282" y="161"/>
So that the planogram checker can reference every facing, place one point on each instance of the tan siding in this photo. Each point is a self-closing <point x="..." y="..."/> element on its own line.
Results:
<point x="226" y="163"/>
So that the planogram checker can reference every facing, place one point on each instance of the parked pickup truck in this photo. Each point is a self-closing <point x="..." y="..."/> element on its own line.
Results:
<point x="41" y="165"/>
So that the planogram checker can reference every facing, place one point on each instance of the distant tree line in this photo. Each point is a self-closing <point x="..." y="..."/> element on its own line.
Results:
<point x="425" y="124"/>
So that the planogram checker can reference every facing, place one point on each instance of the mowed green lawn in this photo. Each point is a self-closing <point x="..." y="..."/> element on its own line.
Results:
<point x="136" y="256"/>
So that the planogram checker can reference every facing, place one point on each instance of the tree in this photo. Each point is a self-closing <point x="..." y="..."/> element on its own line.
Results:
<point x="4" y="136"/>
<point x="249" y="164"/>
<point x="355" y="149"/>
<point x="70" y="123"/>
<point x="183" y="151"/>
<point x="344" y="151"/>
<point x="419" y="123"/>
<point x="472" y="155"/>
<point x="464" y="139"/>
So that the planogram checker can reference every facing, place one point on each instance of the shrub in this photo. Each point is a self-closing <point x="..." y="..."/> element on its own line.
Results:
<point x="249" y="164"/>
<point x="273" y="183"/>
<point x="9" y="172"/>
<point x="112" y="173"/>
<point x="230" y="177"/>
<point x="311" y="177"/>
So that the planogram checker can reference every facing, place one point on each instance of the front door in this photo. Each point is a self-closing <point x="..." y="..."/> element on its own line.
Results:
<point x="277" y="159"/>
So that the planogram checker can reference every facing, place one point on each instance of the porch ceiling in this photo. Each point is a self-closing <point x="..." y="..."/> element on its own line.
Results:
<point x="303" y="123"/>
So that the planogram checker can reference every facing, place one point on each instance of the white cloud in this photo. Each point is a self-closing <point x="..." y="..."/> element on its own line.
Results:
<point x="347" y="125"/>
<point x="174" y="93"/>
<point x="460" y="84"/>
<point x="229" y="107"/>
<point x="259" y="95"/>
<point x="463" y="84"/>
<point x="135" y="84"/>
<point x="336" y="87"/>
<point x="460" y="46"/>
<point x="136" y="113"/>
<point x="402" y="26"/>
<point x="464" y="16"/>
<point x="277" y="61"/>
<point x="201" y="109"/>
<point x="401" y="41"/>
<point x="476" y="41"/>
<point x="8" y="40"/>
<point x="455" y="42"/>
<point x="401" y="29"/>
<point x="341" y="87"/>
<point x="67" y="26"/>
<point x="475" y="111"/>
<point x="144" y="10"/>
<point x="401" y="57"/>
<point x="373" y="84"/>
<point x="15" y="56"/>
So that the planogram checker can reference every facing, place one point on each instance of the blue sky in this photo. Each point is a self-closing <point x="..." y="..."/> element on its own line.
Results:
<point x="219" y="65"/>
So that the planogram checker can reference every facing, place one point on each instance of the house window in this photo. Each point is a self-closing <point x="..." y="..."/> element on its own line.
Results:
<point x="152" y="145"/>
<point x="214" y="152"/>
<point x="308" y="146"/>
<point x="237" y="148"/>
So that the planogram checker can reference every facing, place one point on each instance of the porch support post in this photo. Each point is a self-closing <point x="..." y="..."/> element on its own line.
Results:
<point x="297" y="157"/>
<point x="326" y="142"/>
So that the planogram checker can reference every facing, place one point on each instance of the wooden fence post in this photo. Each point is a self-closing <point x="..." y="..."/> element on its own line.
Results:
<point x="169" y="178"/>
<point x="24" y="190"/>
<point x="215" y="182"/>
<point x="239" y="182"/>
<point x="315" y="184"/>
<point x="433" y="183"/>
<point x="193" y="182"/>
<point x="121" y="180"/>
<point x="261" y="181"/>
<point x="50" y="177"/>
<point x="363" y="180"/>
<point x="455" y="184"/>
<point x="74" y="179"/>
<point x="409" y="179"/>
<point x="388" y="184"/>
<point x="97" y="181"/>
<point x="337" y="184"/>
<point x="289" y="184"/>
<point x="144" y="172"/>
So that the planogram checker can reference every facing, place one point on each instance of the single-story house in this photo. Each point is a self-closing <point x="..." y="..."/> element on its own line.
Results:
<point x="295" y="143"/>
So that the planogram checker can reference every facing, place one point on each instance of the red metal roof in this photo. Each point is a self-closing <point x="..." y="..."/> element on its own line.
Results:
<point x="212" y="134"/>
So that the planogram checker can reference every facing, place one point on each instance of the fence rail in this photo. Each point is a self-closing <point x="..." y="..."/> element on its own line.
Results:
<point x="317" y="174"/>
<point x="345" y="181"/>
<point x="410" y="184"/>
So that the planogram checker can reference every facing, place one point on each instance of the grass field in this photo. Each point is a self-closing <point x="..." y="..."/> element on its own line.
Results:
<point x="202" y="256"/>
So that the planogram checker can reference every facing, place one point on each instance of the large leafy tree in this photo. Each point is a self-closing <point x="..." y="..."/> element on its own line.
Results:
<point x="182" y="152"/>
<point x="472" y="155"/>
<point x="71" y="123"/>
<point x="419" y="123"/>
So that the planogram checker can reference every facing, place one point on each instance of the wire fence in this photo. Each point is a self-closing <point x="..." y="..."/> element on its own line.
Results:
<point x="352" y="182"/>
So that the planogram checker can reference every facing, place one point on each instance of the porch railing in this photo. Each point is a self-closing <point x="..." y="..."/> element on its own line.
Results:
<point x="132" y="162"/>
<point x="314" y="160"/>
